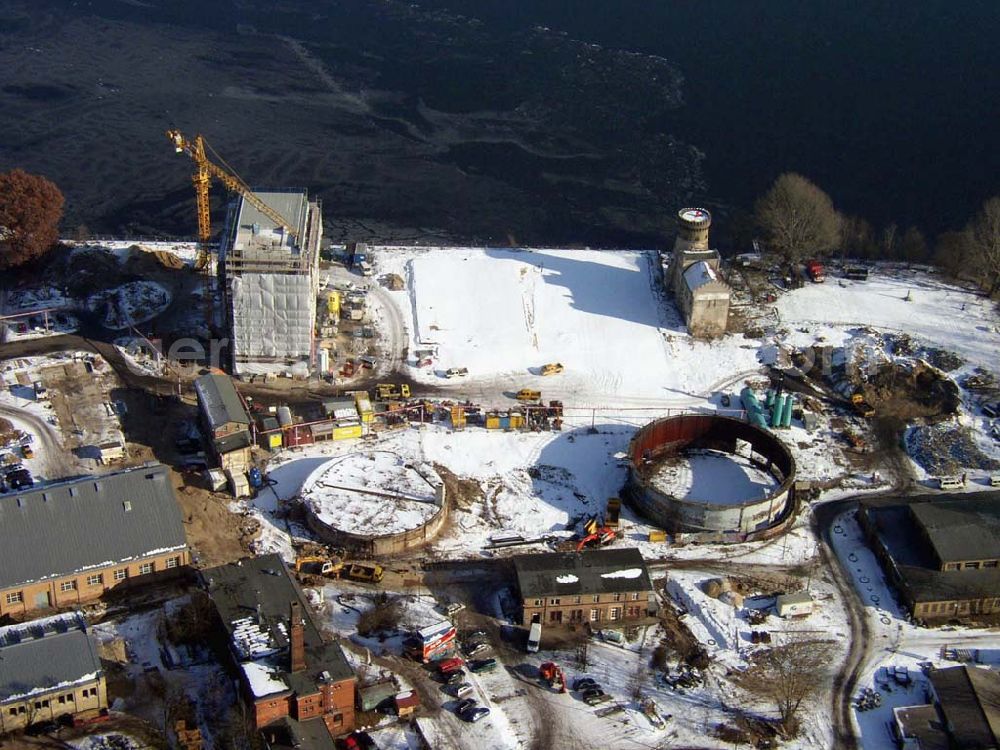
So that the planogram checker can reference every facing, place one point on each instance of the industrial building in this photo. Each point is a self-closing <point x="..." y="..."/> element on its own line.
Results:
<point x="699" y="292"/>
<point x="270" y="280"/>
<point x="69" y="543"/>
<point x="49" y="668"/>
<point x="961" y="712"/>
<point x="942" y="554"/>
<point x="600" y="588"/>
<point x="296" y="683"/>
<point x="224" y="421"/>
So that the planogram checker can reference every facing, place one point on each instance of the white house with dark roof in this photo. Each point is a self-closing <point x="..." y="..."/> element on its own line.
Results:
<point x="68" y="543"/>
<point x="48" y="668"/>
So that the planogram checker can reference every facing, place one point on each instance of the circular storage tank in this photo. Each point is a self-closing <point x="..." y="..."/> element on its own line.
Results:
<point x="707" y="474"/>
<point x="374" y="502"/>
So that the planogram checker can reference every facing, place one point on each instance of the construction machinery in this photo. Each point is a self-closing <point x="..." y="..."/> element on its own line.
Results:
<point x="595" y="535"/>
<point x="861" y="406"/>
<point x="552" y="368"/>
<point x="552" y="673"/>
<point x="528" y="395"/>
<point x="387" y="391"/>
<point x="335" y="568"/>
<point x="613" y="514"/>
<point x="205" y="170"/>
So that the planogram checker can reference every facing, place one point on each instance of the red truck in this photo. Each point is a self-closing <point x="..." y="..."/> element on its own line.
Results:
<point x="815" y="270"/>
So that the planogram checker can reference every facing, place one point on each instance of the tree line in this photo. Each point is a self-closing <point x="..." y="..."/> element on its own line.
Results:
<point x="798" y="221"/>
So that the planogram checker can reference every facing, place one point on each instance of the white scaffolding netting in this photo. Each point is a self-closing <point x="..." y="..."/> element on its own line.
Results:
<point x="273" y="315"/>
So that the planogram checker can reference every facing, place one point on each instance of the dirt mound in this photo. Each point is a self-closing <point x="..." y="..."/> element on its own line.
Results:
<point x="910" y="389"/>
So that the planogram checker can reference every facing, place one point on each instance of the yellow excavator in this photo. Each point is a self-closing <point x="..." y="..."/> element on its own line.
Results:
<point x="335" y="568"/>
<point x="205" y="170"/>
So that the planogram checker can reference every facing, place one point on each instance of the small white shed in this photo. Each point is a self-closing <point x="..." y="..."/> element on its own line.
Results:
<point x="794" y="605"/>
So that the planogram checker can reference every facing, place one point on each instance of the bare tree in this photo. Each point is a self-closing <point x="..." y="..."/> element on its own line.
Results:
<point x="787" y="675"/>
<point x="30" y="210"/>
<point x="797" y="218"/>
<point x="856" y="238"/>
<point x="913" y="247"/>
<point x="888" y="241"/>
<point x="953" y="253"/>
<point x="984" y="242"/>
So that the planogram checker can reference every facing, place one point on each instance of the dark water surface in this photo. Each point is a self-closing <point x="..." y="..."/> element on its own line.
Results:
<point x="503" y="121"/>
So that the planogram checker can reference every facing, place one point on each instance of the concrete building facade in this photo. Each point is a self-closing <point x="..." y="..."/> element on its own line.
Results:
<point x="600" y="588"/>
<point x="699" y="292"/>
<point x="49" y="668"/>
<point x="70" y="543"/>
<point x="270" y="278"/>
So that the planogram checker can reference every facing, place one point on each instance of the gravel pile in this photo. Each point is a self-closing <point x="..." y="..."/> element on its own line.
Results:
<point x="945" y="449"/>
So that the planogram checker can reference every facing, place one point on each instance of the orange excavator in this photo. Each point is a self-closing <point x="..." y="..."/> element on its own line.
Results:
<point x="553" y="674"/>
<point x="596" y="535"/>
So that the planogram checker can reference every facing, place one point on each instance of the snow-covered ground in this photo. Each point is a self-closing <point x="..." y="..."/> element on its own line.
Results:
<point x="130" y="304"/>
<point x="712" y="477"/>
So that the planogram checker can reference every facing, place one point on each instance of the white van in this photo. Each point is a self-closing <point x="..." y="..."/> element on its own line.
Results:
<point x="951" y="483"/>
<point x="534" y="637"/>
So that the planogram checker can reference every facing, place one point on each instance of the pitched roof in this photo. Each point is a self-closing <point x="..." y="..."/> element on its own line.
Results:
<point x="966" y="529"/>
<point x="969" y="698"/>
<point x="40" y="655"/>
<point x="219" y="400"/>
<point x="701" y="274"/>
<point x="86" y="523"/>
<point x="604" y="571"/>
<point x="261" y="588"/>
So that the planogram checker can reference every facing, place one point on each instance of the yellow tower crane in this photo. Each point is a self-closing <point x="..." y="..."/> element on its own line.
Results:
<point x="205" y="170"/>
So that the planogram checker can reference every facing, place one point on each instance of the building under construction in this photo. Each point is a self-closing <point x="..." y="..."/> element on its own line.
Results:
<point x="271" y="282"/>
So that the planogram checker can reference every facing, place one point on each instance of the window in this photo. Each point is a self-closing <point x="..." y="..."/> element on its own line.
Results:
<point x="576" y="600"/>
<point x="538" y="602"/>
<point x="121" y="574"/>
<point x="615" y="613"/>
<point x="595" y="615"/>
<point x="971" y="566"/>
<point x="553" y="601"/>
<point x="634" y="596"/>
<point x="15" y="597"/>
<point x="146" y="568"/>
<point x="95" y="580"/>
<point x="67" y="586"/>
<point x="173" y="562"/>
<point x="62" y="698"/>
<point x="617" y="597"/>
<point x="13" y="712"/>
<point x="596" y="598"/>
<point x="338" y="720"/>
<point x="990" y="564"/>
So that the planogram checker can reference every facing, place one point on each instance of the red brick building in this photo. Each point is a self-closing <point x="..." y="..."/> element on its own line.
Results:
<point x="288" y="672"/>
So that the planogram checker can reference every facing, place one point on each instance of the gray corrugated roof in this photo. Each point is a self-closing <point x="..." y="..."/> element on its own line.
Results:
<point x="969" y="697"/>
<point x="65" y="528"/>
<point x="537" y="574"/>
<point x="219" y="400"/>
<point x="45" y="653"/>
<point x="967" y="529"/>
<point x="263" y="586"/>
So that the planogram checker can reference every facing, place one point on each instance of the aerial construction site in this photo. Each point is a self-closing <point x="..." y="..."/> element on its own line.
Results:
<point x="471" y="497"/>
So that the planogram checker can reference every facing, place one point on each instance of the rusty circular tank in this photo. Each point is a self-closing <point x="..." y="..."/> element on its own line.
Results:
<point x="718" y="477"/>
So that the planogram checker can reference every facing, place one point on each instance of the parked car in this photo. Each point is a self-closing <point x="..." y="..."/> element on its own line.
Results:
<point x="20" y="479"/>
<point x="585" y="683"/>
<point x="41" y="727"/>
<point x="450" y="665"/>
<point x="465" y="705"/>
<point x="473" y="715"/>
<point x="455" y="677"/>
<point x="463" y="690"/>
<point x="482" y="665"/>
<point x="595" y="696"/>
<point x="474" y="649"/>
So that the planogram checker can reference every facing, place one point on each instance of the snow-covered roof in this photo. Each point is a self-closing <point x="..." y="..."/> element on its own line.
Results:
<point x="698" y="275"/>
<point x="263" y="679"/>
<point x="48" y="654"/>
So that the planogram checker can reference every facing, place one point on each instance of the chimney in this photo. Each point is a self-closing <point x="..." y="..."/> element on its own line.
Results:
<point x="296" y="635"/>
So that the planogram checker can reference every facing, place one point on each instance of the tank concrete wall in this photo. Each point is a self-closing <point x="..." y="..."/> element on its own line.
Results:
<point x="388" y="544"/>
<point x="668" y="436"/>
